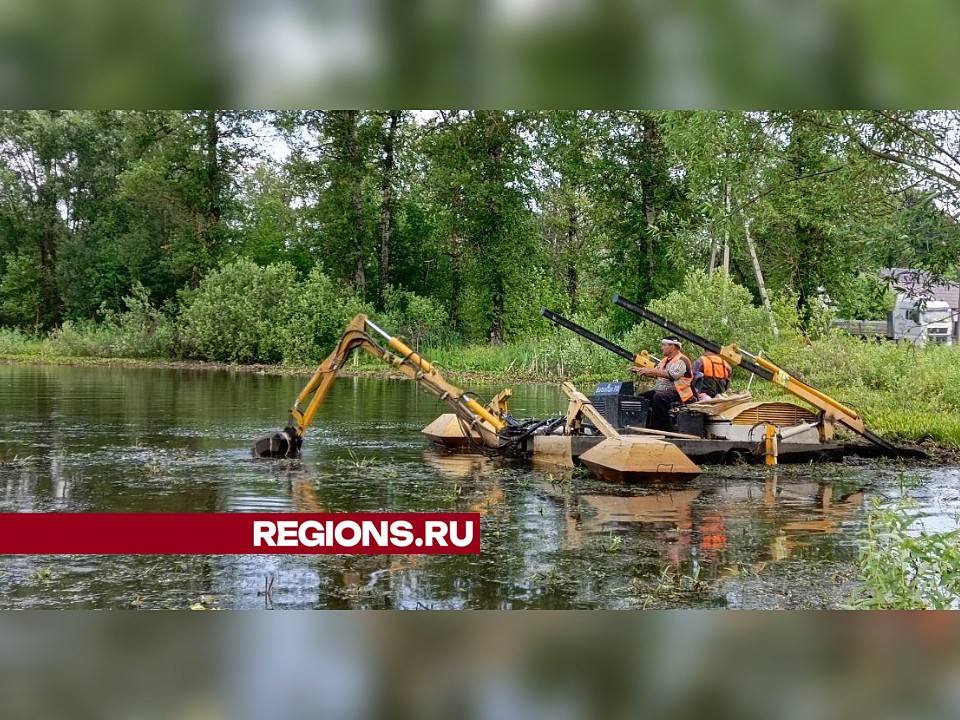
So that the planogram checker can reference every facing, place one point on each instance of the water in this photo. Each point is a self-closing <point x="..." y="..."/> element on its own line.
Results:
<point x="151" y="440"/>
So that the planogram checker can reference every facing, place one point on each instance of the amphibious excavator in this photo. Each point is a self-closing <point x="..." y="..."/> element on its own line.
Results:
<point x="486" y="429"/>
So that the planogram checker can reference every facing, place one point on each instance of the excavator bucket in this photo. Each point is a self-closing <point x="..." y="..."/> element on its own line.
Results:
<point x="628" y="458"/>
<point x="278" y="444"/>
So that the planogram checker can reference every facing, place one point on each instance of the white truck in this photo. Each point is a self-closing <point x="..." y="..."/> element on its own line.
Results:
<point x="911" y="319"/>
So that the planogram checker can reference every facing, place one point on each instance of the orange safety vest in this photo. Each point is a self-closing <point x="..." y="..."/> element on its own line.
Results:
<point x="715" y="366"/>
<point x="682" y="384"/>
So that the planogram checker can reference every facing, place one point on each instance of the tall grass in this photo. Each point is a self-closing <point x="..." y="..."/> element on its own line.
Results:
<point x="17" y="342"/>
<point x="901" y="390"/>
<point x="903" y="566"/>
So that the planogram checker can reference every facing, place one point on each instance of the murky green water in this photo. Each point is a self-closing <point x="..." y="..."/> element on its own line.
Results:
<point x="139" y="440"/>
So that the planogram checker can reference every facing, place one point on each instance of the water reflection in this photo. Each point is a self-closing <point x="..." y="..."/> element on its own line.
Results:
<point x="108" y="439"/>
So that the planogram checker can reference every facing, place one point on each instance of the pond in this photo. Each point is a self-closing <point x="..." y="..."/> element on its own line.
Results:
<point x="109" y="439"/>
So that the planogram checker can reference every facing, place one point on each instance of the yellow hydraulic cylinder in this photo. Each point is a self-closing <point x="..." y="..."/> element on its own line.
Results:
<point x="407" y="353"/>
<point x="770" y="444"/>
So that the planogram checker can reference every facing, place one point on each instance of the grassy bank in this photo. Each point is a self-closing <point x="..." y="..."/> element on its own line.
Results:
<point x="904" y="392"/>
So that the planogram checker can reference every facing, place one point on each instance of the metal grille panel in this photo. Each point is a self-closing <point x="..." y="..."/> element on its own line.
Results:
<point x="776" y="413"/>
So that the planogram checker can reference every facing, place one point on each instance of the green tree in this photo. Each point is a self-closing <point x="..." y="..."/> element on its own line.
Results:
<point x="478" y="171"/>
<point x="567" y="148"/>
<point x="333" y="168"/>
<point x="183" y="184"/>
<point x="270" y="231"/>
<point x="38" y="162"/>
<point x="641" y="203"/>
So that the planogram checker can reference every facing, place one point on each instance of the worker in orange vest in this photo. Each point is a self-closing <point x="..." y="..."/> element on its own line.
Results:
<point x="711" y="376"/>
<point x="673" y="377"/>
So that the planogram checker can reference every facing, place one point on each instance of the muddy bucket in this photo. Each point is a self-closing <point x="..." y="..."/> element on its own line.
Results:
<point x="278" y="444"/>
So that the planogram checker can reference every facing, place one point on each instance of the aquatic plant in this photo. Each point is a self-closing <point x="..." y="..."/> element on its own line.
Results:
<point x="453" y="493"/>
<point x="904" y="567"/>
<point x="611" y="543"/>
<point x="359" y="463"/>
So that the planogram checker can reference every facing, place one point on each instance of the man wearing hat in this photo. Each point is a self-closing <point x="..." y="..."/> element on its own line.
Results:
<point x="674" y="374"/>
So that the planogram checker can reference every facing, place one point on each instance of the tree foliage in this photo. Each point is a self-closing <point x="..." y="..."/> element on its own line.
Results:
<point x="460" y="225"/>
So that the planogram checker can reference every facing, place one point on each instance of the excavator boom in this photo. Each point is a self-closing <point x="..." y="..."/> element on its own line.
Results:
<point x="641" y="359"/>
<point x="287" y="442"/>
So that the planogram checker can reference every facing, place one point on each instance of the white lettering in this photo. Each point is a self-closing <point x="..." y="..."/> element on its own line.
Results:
<point x="263" y="532"/>
<point x="287" y="533"/>
<point x="350" y="525"/>
<point x="435" y="530"/>
<point x="467" y="534"/>
<point x="370" y="531"/>
<point x="308" y="538"/>
<point x="402" y="533"/>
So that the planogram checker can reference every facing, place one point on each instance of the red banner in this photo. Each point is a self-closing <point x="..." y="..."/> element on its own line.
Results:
<point x="239" y="533"/>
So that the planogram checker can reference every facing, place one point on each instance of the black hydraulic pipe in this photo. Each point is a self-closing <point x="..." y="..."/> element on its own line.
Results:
<point x="592" y="337"/>
<point x="682" y="332"/>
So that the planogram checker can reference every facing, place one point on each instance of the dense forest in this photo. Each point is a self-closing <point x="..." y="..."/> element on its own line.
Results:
<point x="246" y="235"/>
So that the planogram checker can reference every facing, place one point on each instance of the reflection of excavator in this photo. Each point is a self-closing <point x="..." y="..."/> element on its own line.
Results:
<point x="800" y="511"/>
<point x="479" y="420"/>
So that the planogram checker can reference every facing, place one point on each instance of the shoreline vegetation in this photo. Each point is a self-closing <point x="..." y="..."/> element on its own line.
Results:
<point x="251" y="238"/>
<point x="240" y="318"/>
<point x="916" y="419"/>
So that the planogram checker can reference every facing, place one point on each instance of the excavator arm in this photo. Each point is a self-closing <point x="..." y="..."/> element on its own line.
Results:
<point x="287" y="442"/>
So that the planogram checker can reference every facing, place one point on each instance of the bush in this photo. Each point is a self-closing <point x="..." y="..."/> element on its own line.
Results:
<point x="21" y="291"/>
<point x="246" y="313"/>
<point x="712" y="306"/>
<point x="319" y="311"/>
<point x="417" y="319"/>
<point x="534" y="289"/>
<point x="237" y="310"/>
<point x="17" y="342"/>
<point x="141" y="331"/>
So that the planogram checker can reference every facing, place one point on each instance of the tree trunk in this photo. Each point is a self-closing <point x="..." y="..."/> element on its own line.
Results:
<point x="726" y="232"/>
<point x="651" y="136"/>
<point x="214" y="179"/>
<point x="760" y="284"/>
<point x="494" y="126"/>
<point x="572" y="232"/>
<point x="386" y="208"/>
<point x="496" y="326"/>
<point x="456" y="271"/>
<point x="210" y="230"/>
<point x="48" y="246"/>
<point x="354" y="162"/>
